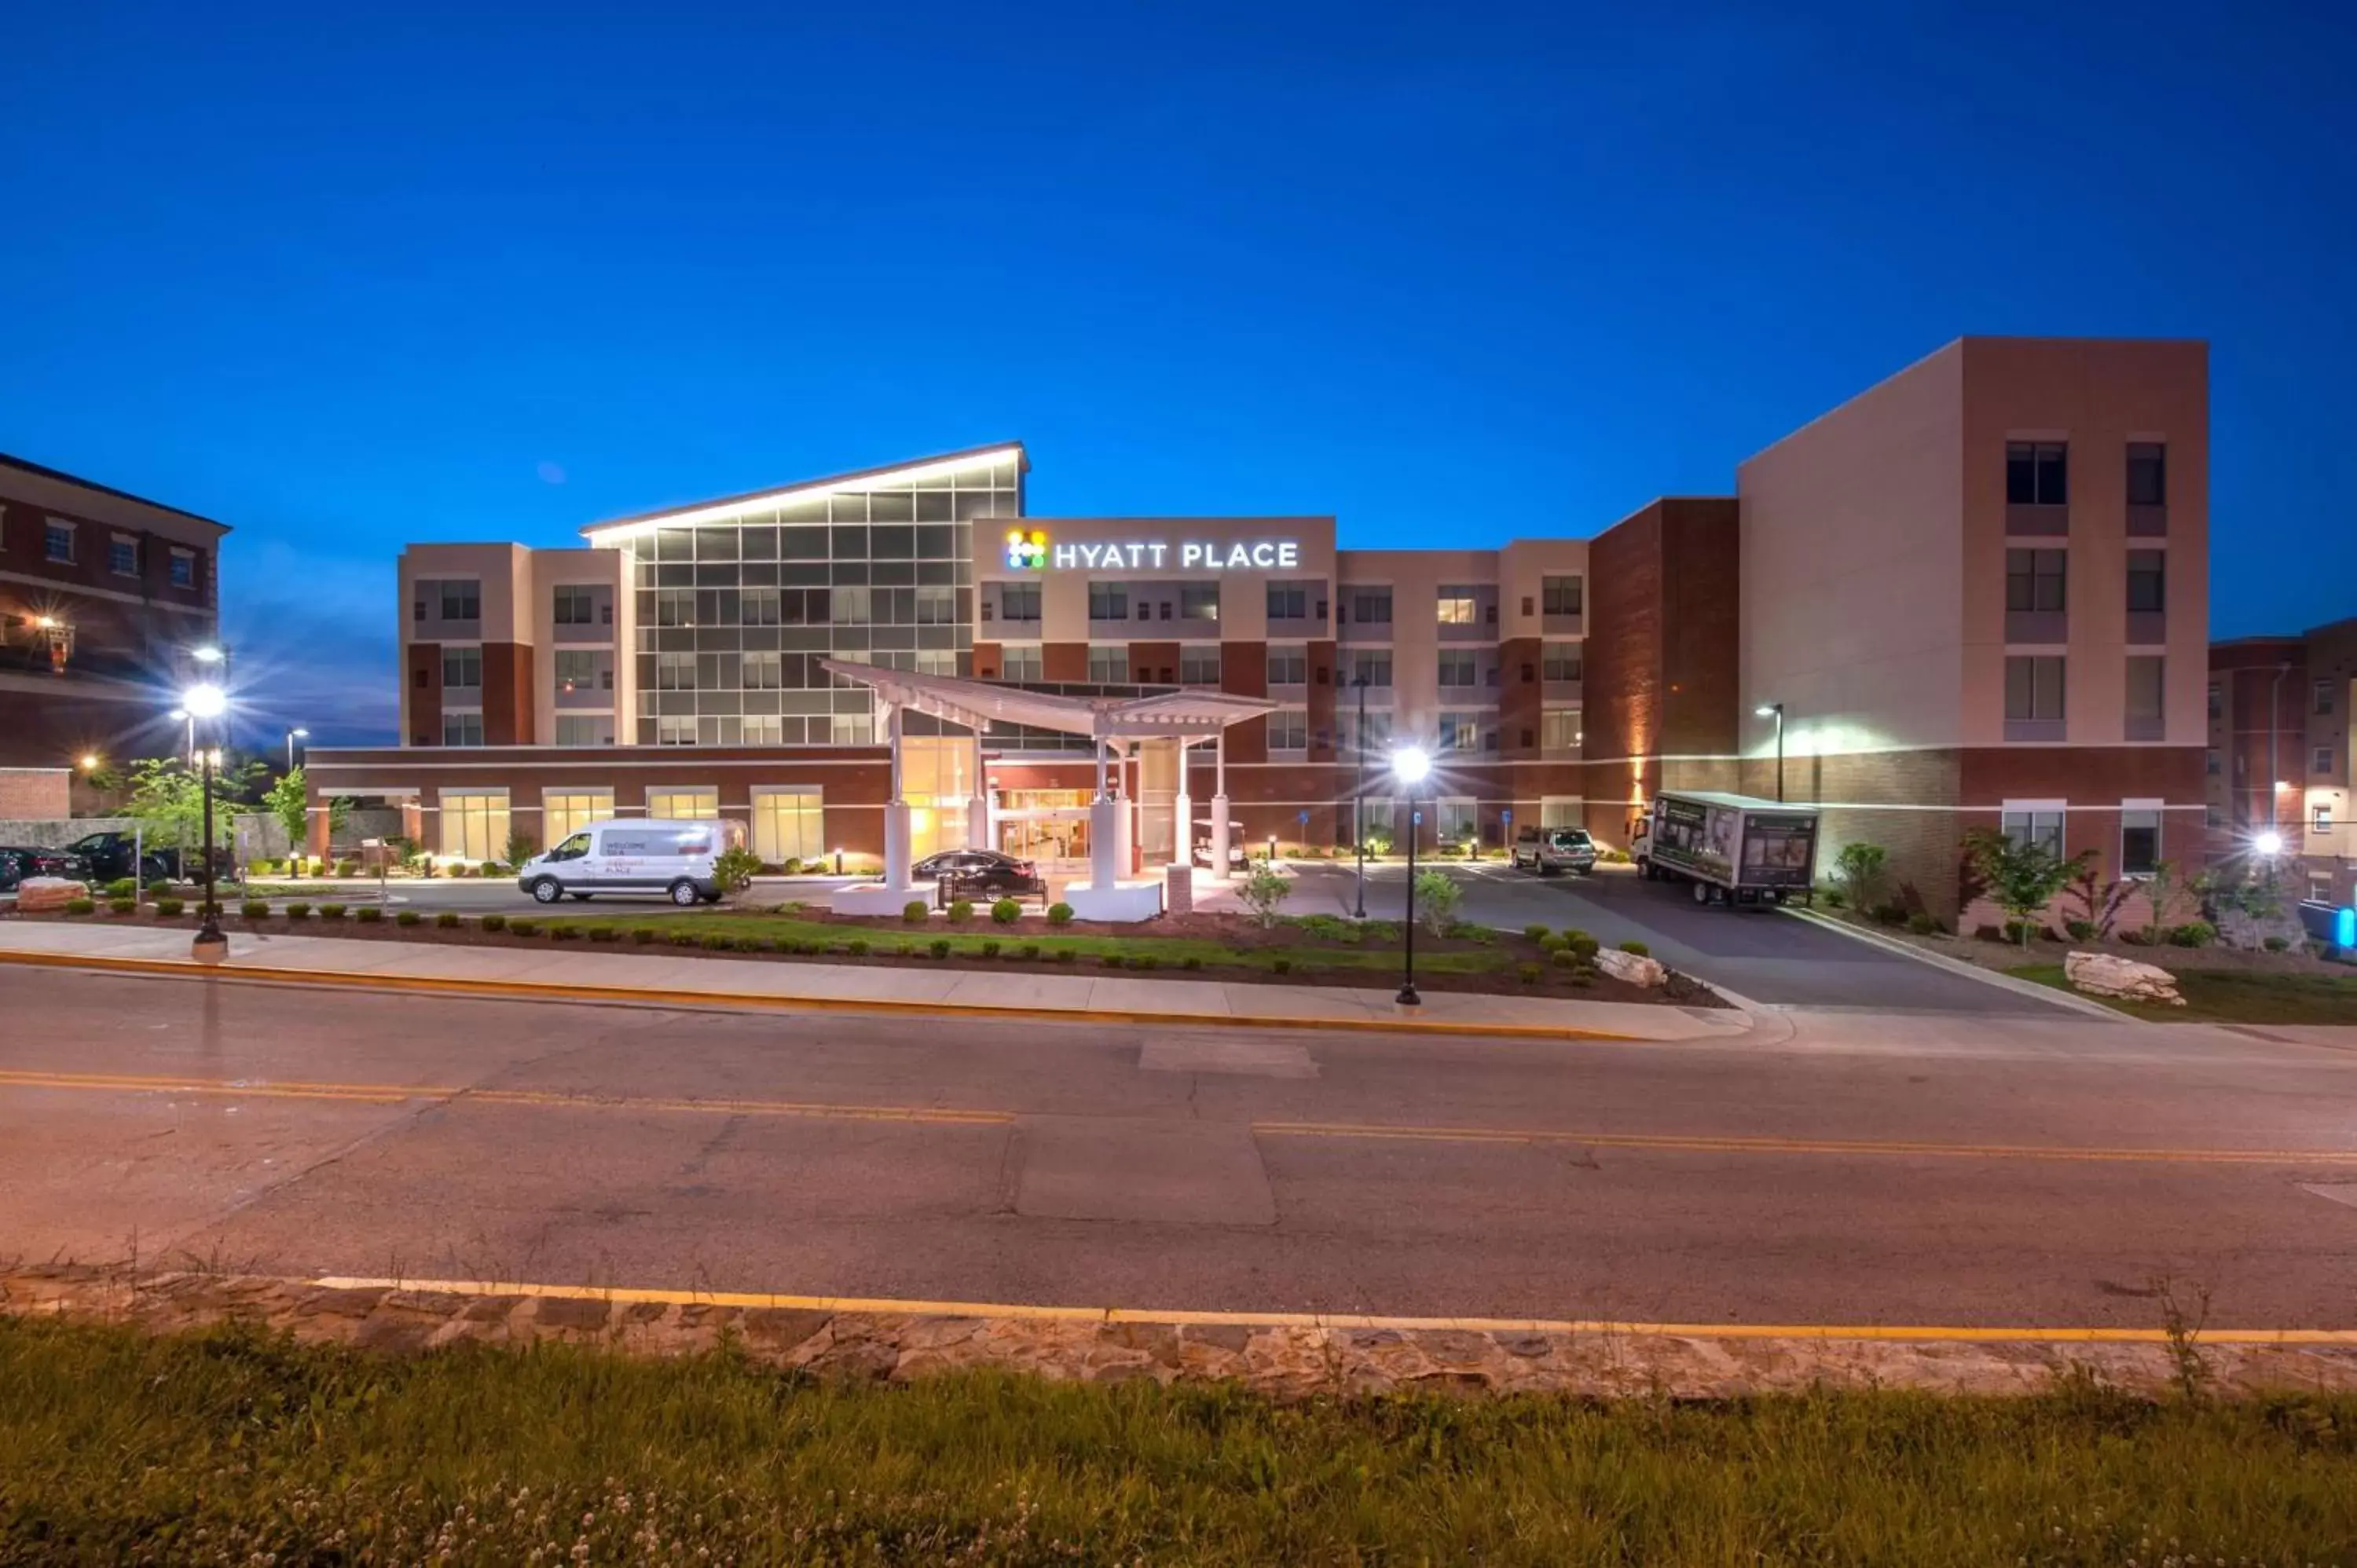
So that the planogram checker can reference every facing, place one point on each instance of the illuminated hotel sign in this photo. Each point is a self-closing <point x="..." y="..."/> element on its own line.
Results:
<point x="1028" y="550"/>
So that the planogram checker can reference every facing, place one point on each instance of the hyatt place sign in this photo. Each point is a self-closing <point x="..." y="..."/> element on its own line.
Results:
<point x="1027" y="550"/>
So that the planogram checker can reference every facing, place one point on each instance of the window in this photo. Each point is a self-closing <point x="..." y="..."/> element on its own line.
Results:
<point x="937" y="662"/>
<point x="1559" y="731"/>
<point x="758" y="606"/>
<point x="2320" y="886"/>
<point x="1371" y="606"/>
<point x="2148" y="474"/>
<point x="2217" y="701"/>
<point x="2210" y="763"/>
<point x="1454" y="821"/>
<point x="462" y="729"/>
<point x="1457" y="607"/>
<point x="763" y="671"/>
<point x="1559" y="661"/>
<point x="674" y="672"/>
<point x="789" y="824"/>
<point x="184" y="568"/>
<point x="462" y="667"/>
<point x="1457" y="669"/>
<point x="1460" y="732"/>
<point x="1198" y="666"/>
<point x="2147" y="684"/>
<point x="577" y="729"/>
<point x="2035" y="580"/>
<point x="676" y="729"/>
<point x="674" y="607"/>
<point x="1108" y="601"/>
<point x="1376" y="737"/>
<point x="57" y="540"/>
<point x="462" y="600"/>
<point x="1560" y="596"/>
<point x="2321" y="764"/>
<point x="123" y="557"/>
<point x="1287" y="603"/>
<point x="475" y="824"/>
<point x="2037" y="473"/>
<point x="937" y="606"/>
<point x="1372" y="669"/>
<point x="564" y="812"/>
<point x="2033" y="690"/>
<point x="1288" y="730"/>
<point x="682" y="805"/>
<point x="1108" y="666"/>
<point x="2037" y="822"/>
<point x="1288" y="666"/>
<point x="2323" y="696"/>
<point x="1198" y="601"/>
<point x="2319" y="817"/>
<point x="576" y="605"/>
<point x="577" y="671"/>
<point x="1020" y="661"/>
<point x="2140" y="841"/>
<point x="852" y="729"/>
<point x="761" y="729"/>
<point x="1018" y="601"/>
<point x="2147" y="581"/>
<point x="848" y="606"/>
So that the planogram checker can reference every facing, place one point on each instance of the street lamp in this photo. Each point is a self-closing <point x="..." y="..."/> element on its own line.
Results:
<point x="207" y="701"/>
<point x="1411" y="767"/>
<point x="1776" y="711"/>
<point x="2268" y="843"/>
<point x="292" y="736"/>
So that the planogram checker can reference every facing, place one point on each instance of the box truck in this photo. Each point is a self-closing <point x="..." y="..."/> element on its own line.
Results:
<point x="1732" y="849"/>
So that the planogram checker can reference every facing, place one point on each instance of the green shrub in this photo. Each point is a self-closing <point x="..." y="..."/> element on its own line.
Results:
<point x="407" y="917"/>
<point x="1531" y="973"/>
<point x="1281" y="966"/>
<point x="121" y="888"/>
<point x="2276" y="944"/>
<point x="906" y="950"/>
<point x="1549" y="942"/>
<point x="1146" y="960"/>
<point x="564" y="933"/>
<point x="2080" y="930"/>
<point x="645" y="935"/>
<point x="750" y="944"/>
<point x="1889" y="914"/>
<point x="368" y="914"/>
<point x="300" y="909"/>
<point x="1640" y="949"/>
<point x="123" y="906"/>
<point x="1923" y="923"/>
<point x="1583" y="977"/>
<point x="2192" y="934"/>
<point x="683" y="938"/>
<point x="1109" y="961"/>
<point x="1191" y="961"/>
<point x="1564" y="958"/>
<point x="793" y="868"/>
<point x="940" y="947"/>
<point x="158" y="888"/>
<point x="1006" y="911"/>
<point x="488" y="868"/>
<point x="331" y="911"/>
<point x="81" y="906"/>
<point x="493" y="922"/>
<point x="256" y="909"/>
<point x="856" y="947"/>
<point x="1832" y="898"/>
<point x="1437" y="897"/>
<point x="169" y="908"/>
<point x="449" y="920"/>
<point x="1066" y="955"/>
<point x="1059" y="914"/>
<point x="960" y="911"/>
<point x="1028" y="950"/>
<point x="2020" y="931"/>
<point x="990" y="948"/>
<point x="1582" y="945"/>
<point x="523" y="927"/>
<point x="913" y="911"/>
<point x="719" y="941"/>
<point x="1535" y="933"/>
<point x="605" y="933"/>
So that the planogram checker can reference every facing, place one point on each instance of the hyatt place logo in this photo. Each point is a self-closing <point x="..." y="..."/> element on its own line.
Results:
<point x="1026" y="549"/>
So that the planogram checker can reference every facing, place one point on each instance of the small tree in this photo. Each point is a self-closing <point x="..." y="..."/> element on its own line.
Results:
<point x="2160" y="890"/>
<point x="1859" y="867"/>
<point x="2099" y="903"/>
<point x="289" y="801"/>
<point x="2023" y="876"/>
<point x="521" y="846"/>
<point x="1262" y="892"/>
<point x="1436" y="900"/>
<point x="169" y="799"/>
<point x="732" y="869"/>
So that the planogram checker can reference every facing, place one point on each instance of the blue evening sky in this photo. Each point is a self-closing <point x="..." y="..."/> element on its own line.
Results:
<point x="347" y="278"/>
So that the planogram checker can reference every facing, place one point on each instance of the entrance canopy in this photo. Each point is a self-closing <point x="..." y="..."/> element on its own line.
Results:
<point x="979" y="703"/>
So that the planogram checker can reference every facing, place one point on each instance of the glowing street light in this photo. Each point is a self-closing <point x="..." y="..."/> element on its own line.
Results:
<point x="1411" y="766"/>
<point x="292" y="736"/>
<point x="90" y="762"/>
<point x="2269" y="843"/>
<point x="1776" y="712"/>
<point x="206" y="701"/>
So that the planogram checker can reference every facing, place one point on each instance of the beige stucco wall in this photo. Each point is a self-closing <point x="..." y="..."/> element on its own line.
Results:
<point x="1521" y="566"/>
<point x="1415" y="578"/>
<point x="503" y="572"/>
<point x="1850" y="541"/>
<point x="544" y="570"/>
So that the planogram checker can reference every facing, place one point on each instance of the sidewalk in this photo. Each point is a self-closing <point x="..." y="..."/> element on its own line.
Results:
<point x="573" y="975"/>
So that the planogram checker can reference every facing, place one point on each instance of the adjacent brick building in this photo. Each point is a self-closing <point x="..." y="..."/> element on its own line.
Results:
<point x="2280" y="755"/>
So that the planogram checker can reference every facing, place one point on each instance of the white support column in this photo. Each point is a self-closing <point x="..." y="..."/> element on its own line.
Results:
<point x="978" y="831"/>
<point x="1220" y="804"/>
<point x="895" y="816"/>
<point x="1182" y="837"/>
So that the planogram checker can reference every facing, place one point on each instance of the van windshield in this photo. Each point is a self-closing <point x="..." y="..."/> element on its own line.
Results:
<point x="573" y="848"/>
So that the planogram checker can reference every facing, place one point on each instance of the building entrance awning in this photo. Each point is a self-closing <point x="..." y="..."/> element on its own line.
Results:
<point x="977" y="704"/>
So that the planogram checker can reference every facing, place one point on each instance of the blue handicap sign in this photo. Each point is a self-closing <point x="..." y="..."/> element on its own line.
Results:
<point x="1505" y="816"/>
<point x="1305" y="819"/>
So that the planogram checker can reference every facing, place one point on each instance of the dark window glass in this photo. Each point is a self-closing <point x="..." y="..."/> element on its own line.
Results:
<point x="2147" y="580"/>
<point x="2148" y="474"/>
<point x="2036" y="579"/>
<point x="2037" y="473"/>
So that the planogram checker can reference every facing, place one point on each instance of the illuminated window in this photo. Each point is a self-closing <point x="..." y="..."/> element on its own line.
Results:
<point x="564" y="812"/>
<point x="789" y="824"/>
<point x="1457" y="607"/>
<point x="2320" y="817"/>
<point x="475" y="824"/>
<point x="1460" y="732"/>
<point x="1559" y="731"/>
<point x="682" y="805"/>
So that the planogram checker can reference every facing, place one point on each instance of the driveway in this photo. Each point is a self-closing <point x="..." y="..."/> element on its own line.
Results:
<point x="1772" y="957"/>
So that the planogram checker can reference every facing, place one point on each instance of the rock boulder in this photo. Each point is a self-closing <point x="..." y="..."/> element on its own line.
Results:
<point x="2102" y="974"/>
<point x="1635" y="968"/>
<point x="35" y="894"/>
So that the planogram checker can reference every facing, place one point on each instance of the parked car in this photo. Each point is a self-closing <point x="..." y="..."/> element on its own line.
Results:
<point x="973" y="871"/>
<point x="1549" y="850"/>
<point x="642" y="854"/>
<point x="108" y="858"/>
<point x="18" y="862"/>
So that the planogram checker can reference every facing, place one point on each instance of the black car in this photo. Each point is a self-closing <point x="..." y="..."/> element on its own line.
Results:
<point x="979" y="871"/>
<point x="18" y="862"/>
<point x="108" y="858"/>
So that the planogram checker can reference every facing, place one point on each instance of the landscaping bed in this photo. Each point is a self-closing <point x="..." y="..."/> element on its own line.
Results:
<point x="2223" y="993"/>
<point x="1316" y="950"/>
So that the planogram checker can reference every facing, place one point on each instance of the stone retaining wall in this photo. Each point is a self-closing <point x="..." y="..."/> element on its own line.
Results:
<point x="1285" y="1360"/>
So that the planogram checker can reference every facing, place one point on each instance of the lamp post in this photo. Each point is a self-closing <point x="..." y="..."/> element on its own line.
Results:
<point x="292" y="736"/>
<point x="207" y="701"/>
<point x="1776" y="711"/>
<point x="1410" y="766"/>
<point x="1359" y="796"/>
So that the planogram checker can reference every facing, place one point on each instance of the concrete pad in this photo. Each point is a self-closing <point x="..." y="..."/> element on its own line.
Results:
<point x="1131" y="1169"/>
<point x="1064" y="991"/>
<point x="1199" y="997"/>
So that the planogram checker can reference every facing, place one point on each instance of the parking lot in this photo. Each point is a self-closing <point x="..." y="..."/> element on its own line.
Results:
<point x="1765" y="955"/>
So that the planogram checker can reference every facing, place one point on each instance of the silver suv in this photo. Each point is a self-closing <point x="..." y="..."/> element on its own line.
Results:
<point x="1549" y="850"/>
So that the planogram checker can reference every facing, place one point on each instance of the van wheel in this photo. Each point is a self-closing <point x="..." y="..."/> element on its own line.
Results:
<point x="546" y="891"/>
<point x="684" y="894"/>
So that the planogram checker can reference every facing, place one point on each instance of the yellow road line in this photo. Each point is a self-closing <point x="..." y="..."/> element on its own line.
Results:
<point x="1702" y="1142"/>
<point x="395" y="1094"/>
<point x="665" y="997"/>
<point x="895" y="1306"/>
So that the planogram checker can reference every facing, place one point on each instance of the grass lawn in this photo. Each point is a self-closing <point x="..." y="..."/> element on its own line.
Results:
<point x="1171" y="952"/>
<point x="230" y="1447"/>
<point x="2233" y="996"/>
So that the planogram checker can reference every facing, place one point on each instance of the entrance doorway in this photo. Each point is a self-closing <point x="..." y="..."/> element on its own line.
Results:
<point x="1049" y="825"/>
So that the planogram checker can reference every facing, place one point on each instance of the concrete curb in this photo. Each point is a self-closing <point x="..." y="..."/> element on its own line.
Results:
<point x="2061" y="999"/>
<point x="643" y="996"/>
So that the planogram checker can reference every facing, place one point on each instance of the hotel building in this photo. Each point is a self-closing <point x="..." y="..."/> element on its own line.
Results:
<point x="2281" y="752"/>
<point x="1978" y="590"/>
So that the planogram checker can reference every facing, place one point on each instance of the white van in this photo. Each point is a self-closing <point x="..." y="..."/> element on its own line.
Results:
<point x="640" y="855"/>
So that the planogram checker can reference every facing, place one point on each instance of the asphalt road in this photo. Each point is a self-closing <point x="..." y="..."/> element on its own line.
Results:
<point x="1765" y="955"/>
<point x="2013" y="1170"/>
